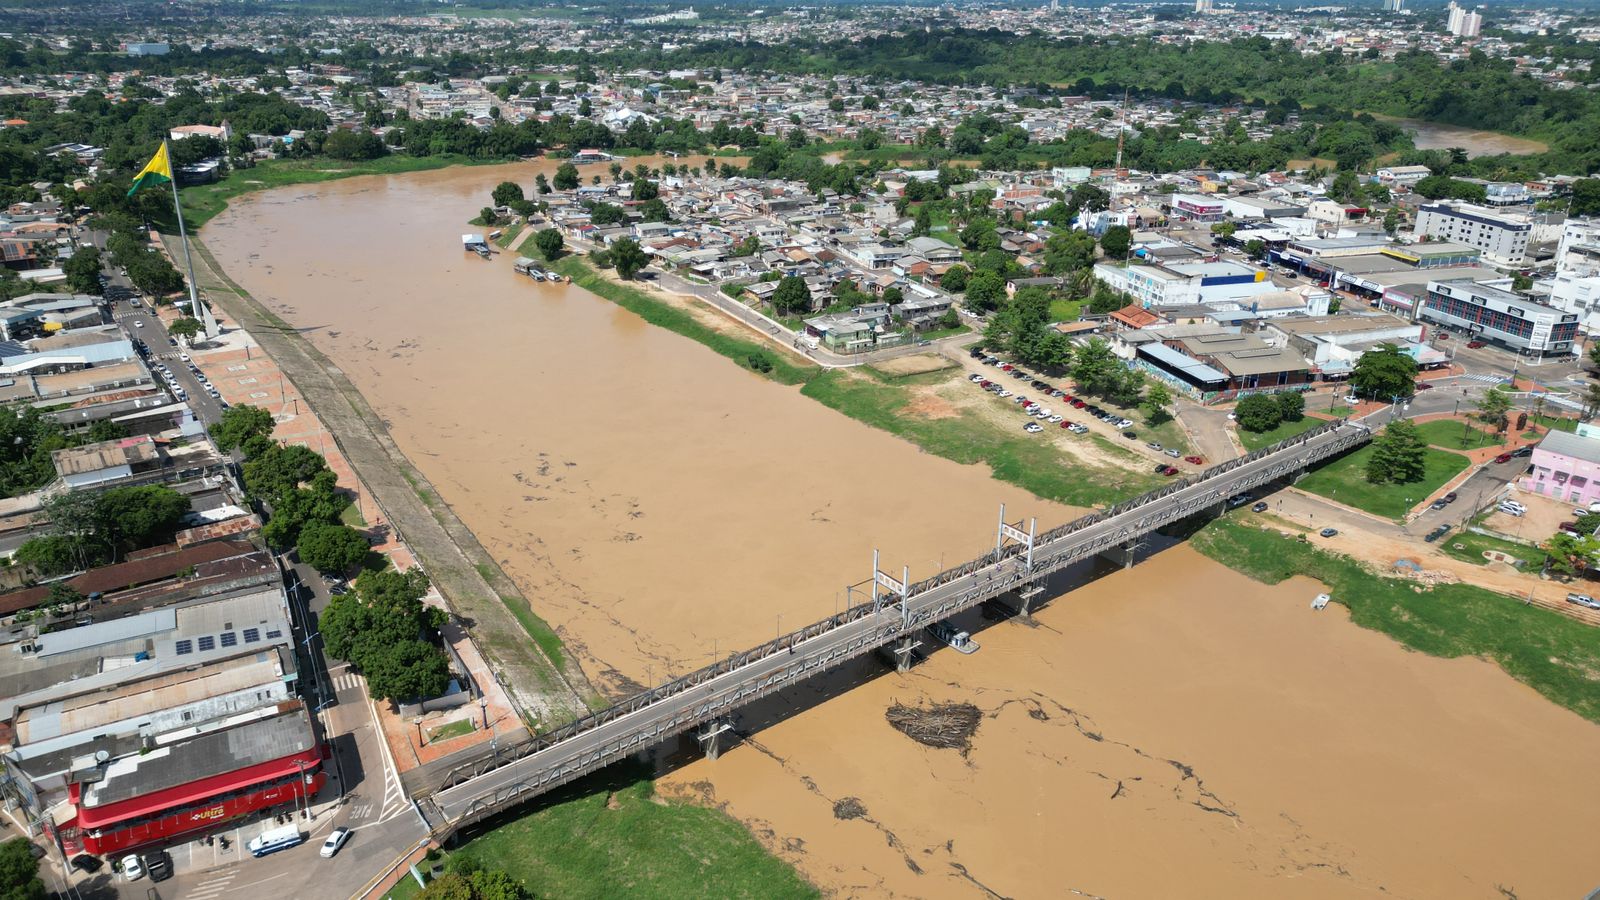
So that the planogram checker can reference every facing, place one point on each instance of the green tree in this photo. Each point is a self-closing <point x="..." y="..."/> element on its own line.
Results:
<point x="448" y="886"/>
<point x="1569" y="554"/>
<point x="1492" y="408"/>
<point x="413" y="669"/>
<point x="331" y="549"/>
<point x="1291" y="406"/>
<point x="50" y="555"/>
<point x="985" y="290"/>
<point x="244" y="427"/>
<point x="955" y="281"/>
<point x="487" y="216"/>
<point x="1258" y="413"/>
<point x="566" y="177"/>
<point x="83" y="271"/>
<point x="1096" y="368"/>
<point x="506" y="192"/>
<point x="549" y="242"/>
<point x="1399" y="455"/>
<point x="1116" y="241"/>
<point x="19" y="872"/>
<point x="606" y="214"/>
<point x="1585" y="197"/>
<point x="1384" y="372"/>
<point x="628" y="257"/>
<point x="792" y="296"/>
<point x="980" y="235"/>
<point x="186" y="328"/>
<point x="1068" y="251"/>
<point x="1157" y="399"/>
<point x="1255" y="248"/>
<point x="750" y="246"/>
<point x="541" y="183"/>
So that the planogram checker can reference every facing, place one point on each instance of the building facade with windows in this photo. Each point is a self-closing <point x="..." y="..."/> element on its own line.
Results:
<point x="1565" y="467"/>
<point x="1502" y="238"/>
<point x="1499" y="317"/>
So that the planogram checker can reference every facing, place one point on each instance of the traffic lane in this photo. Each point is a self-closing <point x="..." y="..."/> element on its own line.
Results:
<point x="649" y="724"/>
<point x="1483" y="488"/>
<point x="162" y="351"/>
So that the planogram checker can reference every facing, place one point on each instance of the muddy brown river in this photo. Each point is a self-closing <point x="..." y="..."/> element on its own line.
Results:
<point x="1173" y="730"/>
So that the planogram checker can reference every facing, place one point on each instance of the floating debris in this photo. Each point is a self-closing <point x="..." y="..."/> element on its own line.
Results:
<point x="943" y="726"/>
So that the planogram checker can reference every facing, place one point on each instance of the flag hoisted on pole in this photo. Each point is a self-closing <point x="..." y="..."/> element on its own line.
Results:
<point x="156" y="171"/>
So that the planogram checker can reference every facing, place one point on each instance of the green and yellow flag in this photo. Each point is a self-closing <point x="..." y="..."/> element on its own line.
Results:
<point x="157" y="171"/>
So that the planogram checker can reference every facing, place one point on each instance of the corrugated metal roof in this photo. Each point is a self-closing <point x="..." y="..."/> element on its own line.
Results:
<point x="1569" y="444"/>
<point x="84" y="636"/>
<point x="1188" y="365"/>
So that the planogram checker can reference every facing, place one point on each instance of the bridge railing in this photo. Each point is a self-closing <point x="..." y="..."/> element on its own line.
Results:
<point x="646" y="698"/>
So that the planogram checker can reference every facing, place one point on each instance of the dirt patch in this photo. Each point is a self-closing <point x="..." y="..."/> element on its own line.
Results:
<point x="849" y="808"/>
<point x="943" y="726"/>
<point x="920" y="364"/>
<point x="929" y="405"/>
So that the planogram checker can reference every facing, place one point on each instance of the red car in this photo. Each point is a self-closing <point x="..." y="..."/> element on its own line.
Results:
<point x="1065" y="423"/>
<point x="1503" y="458"/>
<point x="1476" y="345"/>
<point x="1170" y="470"/>
<point x="1194" y="459"/>
<point x="1007" y="367"/>
<point x="1424" y="386"/>
<point x="1078" y="404"/>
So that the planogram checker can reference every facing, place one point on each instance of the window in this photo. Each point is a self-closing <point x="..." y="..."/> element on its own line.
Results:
<point x="274" y="633"/>
<point x="207" y="643"/>
<point x="183" y="647"/>
<point x="251" y="635"/>
<point x="229" y="639"/>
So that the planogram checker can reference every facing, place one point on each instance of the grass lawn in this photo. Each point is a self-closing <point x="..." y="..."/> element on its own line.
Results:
<point x="451" y="730"/>
<point x="1469" y="547"/>
<point x="1256" y="440"/>
<point x="1065" y="310"/>
<point x="1168" y="434"/>
<point x="1345" y="480"/>
<point x="352" y="516"/>
<point x="933" y="334"/>
<point x="1448" y="433"/>
<point x="508" y="235"/>
<point x="1026" y="460"/>
<point x="607" y="836"/>
<point x="746" y="352"/>
<point x="202" y="202"/>
<point x="1555" y="423"/>
<point x="1547" y="651"/>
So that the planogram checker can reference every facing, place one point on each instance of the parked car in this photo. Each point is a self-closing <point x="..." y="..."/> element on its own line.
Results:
<point x="1584" y="600"/>
<point x="1238" y="500"/>
<point x="1451" y="497"/>
<point x="1424" y="386"/>
<point x="1350" y="399"/>
<point x="1475" y="345"/>
<point x="1260" y="506"/>
<point x="159" y="864"/>
<point x="1438" y="504"/>
<point x="1154" y="446"/>
<point x="1131" y="435"/>
<point x="1032" y="428"/>
<point x="1169" y="470"/>
<point x="1513" y="511"/>
<point x="1199" y="461"/>
<point x="1328" y="532"/>
<point x="1436" y="533"/>
<point x="1503" y="458"/>
<point x="132" y="868"/>
<point x="1522" y="452"/>
<point x="974" y="378"/>
<point x="1172" y="453"/>
<point x="1570" y="528"/>
<point x="1441" y="335"/>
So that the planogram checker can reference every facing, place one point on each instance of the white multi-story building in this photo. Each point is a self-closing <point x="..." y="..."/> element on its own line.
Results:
<point x="1575" y="288"/>
<point x="1501" y="237"/>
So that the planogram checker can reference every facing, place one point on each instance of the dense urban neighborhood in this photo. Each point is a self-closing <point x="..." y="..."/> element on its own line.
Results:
<point x="340" y="557"/>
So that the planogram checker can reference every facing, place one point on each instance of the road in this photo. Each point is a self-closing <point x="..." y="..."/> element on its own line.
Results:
<point x="141" y="322"/>
<point x="718" y="690"/>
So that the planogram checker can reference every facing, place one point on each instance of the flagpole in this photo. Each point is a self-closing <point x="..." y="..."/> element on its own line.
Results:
<point x="188" y="260"/>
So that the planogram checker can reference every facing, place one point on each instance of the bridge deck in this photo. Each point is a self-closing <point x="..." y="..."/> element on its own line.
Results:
<point x="514" y="774"/>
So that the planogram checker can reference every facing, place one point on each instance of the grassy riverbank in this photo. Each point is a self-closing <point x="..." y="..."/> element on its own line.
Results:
<point x="610" y="836"/>
<point x="1556" y="656"/>
<point x="202" y="202"/>
<point x="1345" y="480"/>
<point x="1028" y="461"/>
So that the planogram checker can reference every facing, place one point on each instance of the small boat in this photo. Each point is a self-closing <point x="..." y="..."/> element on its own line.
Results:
<point x="1320" y="601"/>
<point x="959" y="641"/>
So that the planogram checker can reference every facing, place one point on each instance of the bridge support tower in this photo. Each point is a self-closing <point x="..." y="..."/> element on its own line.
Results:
<point x="904" y="650"/>
<point x="711" y="736"/>
<point x="1025" y="597"/>
<point x="1122" y="554"/>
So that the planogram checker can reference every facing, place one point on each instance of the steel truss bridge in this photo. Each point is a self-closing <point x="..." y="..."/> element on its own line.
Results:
<point x="898" y="610"/>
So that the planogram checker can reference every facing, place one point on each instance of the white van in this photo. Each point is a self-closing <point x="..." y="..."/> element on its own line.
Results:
<point x="275" y="840"/>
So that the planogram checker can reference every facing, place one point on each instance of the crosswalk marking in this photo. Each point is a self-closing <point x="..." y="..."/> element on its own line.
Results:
<point x="346" y="681"/>
<point x="210" y="889"/>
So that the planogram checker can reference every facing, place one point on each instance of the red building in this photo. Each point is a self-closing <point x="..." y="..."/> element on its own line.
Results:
<point x="197" y="784"/>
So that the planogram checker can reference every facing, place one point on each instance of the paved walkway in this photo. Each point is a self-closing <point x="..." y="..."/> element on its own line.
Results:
<point x="401" y="496"/>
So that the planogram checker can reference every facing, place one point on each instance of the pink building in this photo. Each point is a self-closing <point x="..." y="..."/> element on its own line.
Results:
<point x="1566" y="467"/>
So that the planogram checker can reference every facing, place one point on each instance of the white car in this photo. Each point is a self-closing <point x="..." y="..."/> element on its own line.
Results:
<point x="138" y="323"/>
<point x="1004" y="394"/>
<point x="1055" y="420"/>
<point x="1351" y="399"/>
<point x="132" y="868"/>
<point x="1033" y="428"/>
<point x="336" y="839"/>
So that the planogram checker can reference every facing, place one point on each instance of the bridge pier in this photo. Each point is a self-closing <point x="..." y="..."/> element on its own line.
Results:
<point x="1121" y="555"/>
<point x="1025" y="597"/>
<point x="710" y="737"/>
<point x="903" y="651"/>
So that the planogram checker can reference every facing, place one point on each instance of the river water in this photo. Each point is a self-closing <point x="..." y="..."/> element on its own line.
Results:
<point x="1171" y="730"/>
<point x="1438" y="136"/>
